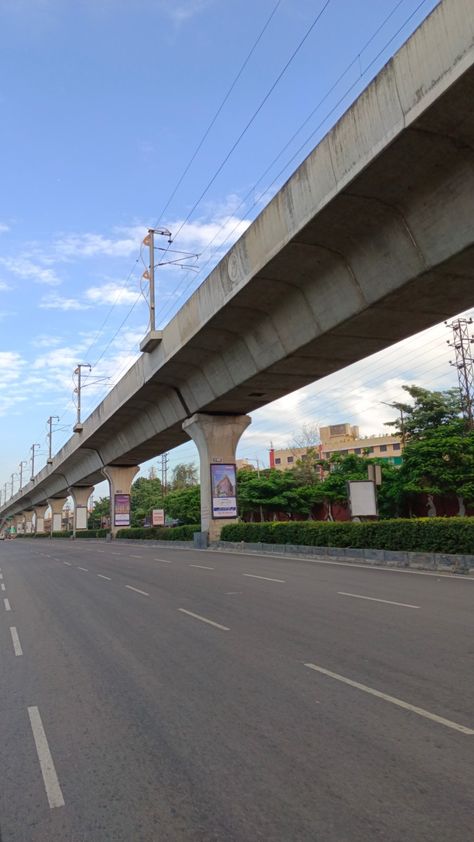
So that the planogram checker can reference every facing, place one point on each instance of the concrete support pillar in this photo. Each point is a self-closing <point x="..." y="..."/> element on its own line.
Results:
<point x="120" y="482"/>
<point x="19" y="524"/>
<point x="28" y="521"/>
<point x="40" y="512"/>
<point x="216" y="438"/>
<point x="80" y="496"/>
<point x="57" y="505"/>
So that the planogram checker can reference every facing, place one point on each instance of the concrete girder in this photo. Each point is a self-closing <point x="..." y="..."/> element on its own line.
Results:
<point x="377" y="220"/>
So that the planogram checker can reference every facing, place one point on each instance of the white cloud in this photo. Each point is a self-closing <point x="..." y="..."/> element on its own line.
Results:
<point x="4" y="287"/>
<point x="45" y="340"/>
<point x="58" y="302"/>
<point x="73" y="246"/>
<point x="26" y="268"/>
<point x="112" y="293"/>
<point x="4" y="227"/>
<point x="180" y="12"/>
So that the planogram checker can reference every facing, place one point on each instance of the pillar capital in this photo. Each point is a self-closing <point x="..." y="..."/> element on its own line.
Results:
<point x="216" y="438"/>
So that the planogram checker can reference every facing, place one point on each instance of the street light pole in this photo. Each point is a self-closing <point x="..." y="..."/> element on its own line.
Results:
<point x="33" y="450"/>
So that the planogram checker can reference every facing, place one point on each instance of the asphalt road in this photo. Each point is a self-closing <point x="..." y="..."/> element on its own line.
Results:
<point x="151" y="694"/>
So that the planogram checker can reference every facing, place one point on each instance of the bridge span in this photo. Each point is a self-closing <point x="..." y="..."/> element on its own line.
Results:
<point x="370" y="241"/>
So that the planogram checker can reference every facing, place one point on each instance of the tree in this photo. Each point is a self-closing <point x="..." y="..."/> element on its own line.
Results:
<point x="307" y="469"/>
<point x="146" y="494"/>
<point x="341" y="469"/>
<point x="308" y="436"/>
<point x="101" y="510"/>
<point x="184" y="476"/>
<point x="429" y="411"/>
<point x="440" y="462"/>
<point x="273" y="491"/>
<point x="184" y="504"/>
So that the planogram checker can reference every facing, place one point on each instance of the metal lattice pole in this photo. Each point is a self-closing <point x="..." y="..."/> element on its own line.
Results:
<point x="462" y="342"/>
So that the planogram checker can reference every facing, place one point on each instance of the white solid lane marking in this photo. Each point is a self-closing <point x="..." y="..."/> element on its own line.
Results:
<point x="50" y="778"/>
<point x="163" y="560"/>
<point x="267" y="578"/>
<point x="104" y="577"/>
<point x="204" y="619"/>
<point x="202" y="566"/>
<point x="3" y="587"/>
<point x="7" y="605"/>
<point x="68" y="563"/>
<point x="373" y="599"/>
<point x="85" y="569"/>
<point x="16" y="641"/>
<point x="144" y="593"/>
<point x="399" y="702"/>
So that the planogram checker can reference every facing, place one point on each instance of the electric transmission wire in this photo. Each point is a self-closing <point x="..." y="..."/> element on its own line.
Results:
<point x="218" y="112"/>
<point x="305" y="122"/>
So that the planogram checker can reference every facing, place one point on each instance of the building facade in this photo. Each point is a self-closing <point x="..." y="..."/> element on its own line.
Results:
<point x="342" y="439"/>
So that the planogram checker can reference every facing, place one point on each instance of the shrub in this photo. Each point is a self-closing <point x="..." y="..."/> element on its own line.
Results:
<point x="160" y="533"/>
<point x="92" y="533"/>
<point x="440" y="535"/>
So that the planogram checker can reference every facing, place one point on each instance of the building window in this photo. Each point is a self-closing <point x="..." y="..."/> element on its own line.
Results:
<point x="289" y="459"/>
<point x="357" y="450"/>
<point x="396" y="447"/>
<point x="278" y="461"/>
<point x="383" y="448"/>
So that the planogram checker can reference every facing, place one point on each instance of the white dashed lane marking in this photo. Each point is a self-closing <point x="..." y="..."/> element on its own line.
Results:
<point x="16" y="641"/>
<point x="50" y="778"/>
<point x="374" y="599"/>
<point x="267" y="578"/>
<point x="393" y="700"/>
<point x="204" y="619"/>
<point x="137" y="590"/>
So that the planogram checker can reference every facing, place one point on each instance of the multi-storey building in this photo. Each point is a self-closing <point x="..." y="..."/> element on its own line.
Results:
<point x="342" y="439"/>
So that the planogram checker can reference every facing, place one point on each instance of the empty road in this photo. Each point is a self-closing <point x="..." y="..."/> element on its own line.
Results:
<point x="151" y="694"/>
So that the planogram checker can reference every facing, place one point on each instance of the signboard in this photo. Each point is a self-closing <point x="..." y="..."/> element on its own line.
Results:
<point x="362" y="498"/>
<point x="223" y="490"/>
<point x="158" y="517"/>
<point x="122" y="510"/>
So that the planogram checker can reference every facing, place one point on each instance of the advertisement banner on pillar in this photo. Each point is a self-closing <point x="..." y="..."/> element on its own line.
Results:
<point x="223" y="490"/>
<point x="122" y="510"/>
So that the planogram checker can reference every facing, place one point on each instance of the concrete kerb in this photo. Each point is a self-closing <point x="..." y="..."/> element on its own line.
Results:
<point x="389" y="558"/>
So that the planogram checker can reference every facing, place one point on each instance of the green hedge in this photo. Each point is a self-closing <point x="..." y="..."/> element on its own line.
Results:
<point x="61" y="534"/>
<point x="160" y="533"/>
<point x="92" y="533"/>
<point x="439" y="535"/>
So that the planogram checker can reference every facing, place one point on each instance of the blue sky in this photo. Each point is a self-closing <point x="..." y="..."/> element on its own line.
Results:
<point x="103" y="105"/>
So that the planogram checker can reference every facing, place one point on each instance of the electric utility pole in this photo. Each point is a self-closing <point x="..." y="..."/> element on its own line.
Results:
<point x="5" y="493"/>
<point x="33" y="451"/>
<point x="51" y="419"/>
<point x="12" y="477"/>
<point x="21" y="466"/>
<point x="464" y="363"/>
<point x="171" y="257"/>
<point x="78" y="426"/>
<point x="164" y="473"/>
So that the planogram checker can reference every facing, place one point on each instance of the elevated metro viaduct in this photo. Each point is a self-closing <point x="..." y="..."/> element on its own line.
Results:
<point x="368" y="242"/>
